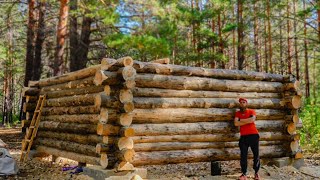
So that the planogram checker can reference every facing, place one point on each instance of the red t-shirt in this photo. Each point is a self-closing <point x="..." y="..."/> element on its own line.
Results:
<point x="248" y="128"/>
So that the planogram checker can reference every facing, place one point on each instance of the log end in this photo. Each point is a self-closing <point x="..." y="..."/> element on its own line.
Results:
<point x="125" y="119"/>
<point x="128" y="107"/>
<point x="104" y="160"/>
<point x="125" y="143"/>
<point x="124" y="166"/>
<point x="98" y="78"/>
<point x="298" y="155"/>
<point x="126" y="132"/>
<point x="126" y="61"/>
<point x="107" y="90"/>
<point x="129" y="84"/>
<point x="127" y="155"/>
<point x="294" y="146"/>
<point x="291" y="128"/>
<point x="125" y="95"/>
<point x="296" y="102"/>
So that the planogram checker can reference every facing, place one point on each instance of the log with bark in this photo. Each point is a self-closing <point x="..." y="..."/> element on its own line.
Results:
<point x="72" y="92"/>
<point x="155" y="92"/>
<point x="77" y="100"/>
<point x="264" y="136"/>
<point x="105" y="77"/>
<point x="292" y="118"/>
<point x="31" y="99"/>
<point x="202" y="128"/>
<point x="108" y="129"/>
<point x="80" y="83"/>
<point x="171" y="146"/>
<point x="151" y="103"/>
<point x="72" y="76"/>
<point x="70" y="110"/>
<point x="75" y="118"/>
<point x="106" y="63"/>
<point x="144" y="67"/>
<point x="294" y="86"/>
<point x="202" y="155"/>
<point x="90" y="139"/>
<point x="293" y="102"/>
<point x="118" y="143"/>
<point x="88" y="150"/>
<point x="112" y="116"/>
<point x="68" y="127"/>
<point x="161" y="61"/>
<point x="30" y="91"/>
<point x="205" y="84"/>
<point x="179" y="115"/>
<point x="70" y="155"/>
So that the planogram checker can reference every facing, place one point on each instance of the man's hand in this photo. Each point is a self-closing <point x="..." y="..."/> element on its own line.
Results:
<point x="237" y="121"/>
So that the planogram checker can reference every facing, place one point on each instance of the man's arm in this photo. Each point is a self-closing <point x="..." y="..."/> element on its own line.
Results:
<point x="244" y="121"/>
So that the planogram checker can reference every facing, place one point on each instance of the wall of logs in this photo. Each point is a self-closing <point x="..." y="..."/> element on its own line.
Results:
<point x="124" y="113"/>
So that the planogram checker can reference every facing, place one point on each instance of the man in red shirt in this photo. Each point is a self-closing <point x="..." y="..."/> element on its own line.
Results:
<point x="249" y="137"/>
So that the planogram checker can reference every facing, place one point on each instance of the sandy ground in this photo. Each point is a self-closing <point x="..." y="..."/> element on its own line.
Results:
<point x="45" y="169"/>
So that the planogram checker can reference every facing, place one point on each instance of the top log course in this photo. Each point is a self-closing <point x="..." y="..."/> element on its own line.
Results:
<point x="166" y="69"/>
<point x="72" y="76"/>
<point x="205" y="84"/>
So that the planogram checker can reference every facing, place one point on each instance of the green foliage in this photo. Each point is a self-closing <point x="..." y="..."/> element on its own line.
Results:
<point x="310" y="133"/>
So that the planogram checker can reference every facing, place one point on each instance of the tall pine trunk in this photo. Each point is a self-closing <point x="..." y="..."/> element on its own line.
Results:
<point x="37" y="69"/>
<point x="269" y="37"/>
<point x="307" y="81"/>
<point x="256" y="41"/>
<point x="61" y="36"/>
<point x="241" y="45"/>
<point x="296" y="40"/>
<point x="73" y="35"/>
<point x="289" y="39"/>
<point x="30" y="43"/>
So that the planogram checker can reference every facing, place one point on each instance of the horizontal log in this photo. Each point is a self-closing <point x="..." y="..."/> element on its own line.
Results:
<point x="119" y="144"/>
<point x="155" y="92"/>
<point x="72" y="92"/>
<point x="293" y="118"/>
<point x="80" y="83"/>
<point x="151" y="102"/>
<point x="30" y="91"/>
<point x="68" y="127"/>
<point x="201" y="127"/>
<point x="292" y="102"/>
<point x="112" y="116"/>
<point x="70" y="110"/>
<point x="70" y="155"/>
<point x="107" y="130"/>
<point x="161" y="61"/>
<point x="72" y="76"/>
<point x="176" y="115"/>
<point x="102" y="100"/>
<point x="170" y="146"/>
<point x="293" y="86"/>
<point x="77" y="100"/>
<point x="124" y="61"/>
<point x="67" y="146"/>
<point x="31" y="99"/>
<point x="105" y="77"/>
<point x="90" y="139"/>
<point x="202" y="155"/>
<point x="165" y="69"/>
<point x="74" y="118"/>
<point x="264" y="136"/>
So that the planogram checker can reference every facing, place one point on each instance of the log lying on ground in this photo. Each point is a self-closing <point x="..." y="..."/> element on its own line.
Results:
<point x="201" y="155"/>
<point x="200" y="127"/>
<point x="70" y="110"/>
<point x="80" y="83"/>
<point x="155" y="92"/>
<point x="170" y="146"/>
<point x="142" y="67"/>
<point x="207" y="84"/>
<point x="293" y="102"/>
<point x="72" y="92"/>
<point x="30" y="91"/>
<point x="68" y="127"/>
<point x="161" y="61"/>
<point x="264" y="136"/>
<point x="124" y="61"/>
<point x="196" y="115"/>
<point x="70" y="155"/>
<point x="72" y="76"/>
<point x="102" y="100"/>
<point x="90" y="139"/>
<point x="77" y="100"/>
<point x="151" y="102"/>
<point x="76" y="118"/>
<point x="67" y="146"/>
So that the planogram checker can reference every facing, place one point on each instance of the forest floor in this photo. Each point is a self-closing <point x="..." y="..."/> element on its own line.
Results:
<point x="44" y="169"/>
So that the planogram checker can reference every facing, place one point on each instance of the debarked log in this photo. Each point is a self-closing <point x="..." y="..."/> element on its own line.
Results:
<point x="121" y="77"/>
<point x="77" y="100"/>
<point x="222" y="137"/>
<point x="197" y="115"/>
<point x="80" y="83"/>
<point x="202" y="155"/>
<point x="151" y="102"/>
<point x="145" y="67"/>
<point x="68" y="127"/>
<point x="205" y="84"/>
<point x="102" y="100"/>
<point x="201" y="127"/>
<point x="156" y="92"/>
<point x="90" y="139"/>
<point x="70" y="110"/>
<point x="72" y="92"/>
<point x="68" y="146"/>
<point x="70" y="155"/>
<point x="170" y="146"/>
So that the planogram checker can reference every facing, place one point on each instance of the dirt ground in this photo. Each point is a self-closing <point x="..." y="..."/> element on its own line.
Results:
<point x="44" y="169"/>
